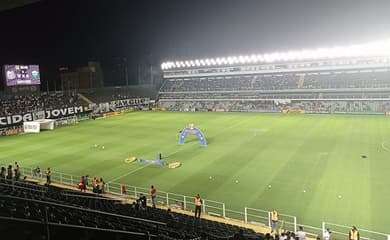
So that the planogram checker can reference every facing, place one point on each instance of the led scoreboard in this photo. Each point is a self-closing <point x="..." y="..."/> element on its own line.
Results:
<point x="16" y="75"/>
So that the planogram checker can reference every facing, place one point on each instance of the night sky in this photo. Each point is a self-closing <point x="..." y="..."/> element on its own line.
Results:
<point x="56" y="33"/>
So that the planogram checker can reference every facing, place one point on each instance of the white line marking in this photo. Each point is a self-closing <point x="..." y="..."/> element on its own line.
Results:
<point x="124" y="175"/>
<point x="384" y="147"/>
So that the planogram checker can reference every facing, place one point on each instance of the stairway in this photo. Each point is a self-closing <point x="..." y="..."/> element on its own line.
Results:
<point x="301" y="81"/>
<point x="84" y="98"/>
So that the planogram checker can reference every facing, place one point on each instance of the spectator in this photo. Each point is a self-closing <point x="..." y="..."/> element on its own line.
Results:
<point x="142" y="200"/>
<point x="301" y="235"/>
<point x="239" y="235"/>
<point x="82" y="184"/>
<point x="48" y="176"/>
<point x="326" y="234"/>
<point x="101" y="185"/>
<point x="9" y="172"/>
<point x="37" y="172"/>
<point x="3" y="173"/>
<point x="153" y="194"/>
<point x="198" y="205"/>
<point x="354" y="234"/>
<point x="86" y="180"/>
<point x="17" y="171"/>
<point x="123" y="188"/>
<point x="95" y="185"/>
<point x="169" y="216"/>
<point x="274" y="221"/>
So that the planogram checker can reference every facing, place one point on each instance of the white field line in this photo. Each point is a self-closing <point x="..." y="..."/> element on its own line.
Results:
<point x="131" y="172"/>
<point x="140" y="168"/>
<point x="384" y="147"/>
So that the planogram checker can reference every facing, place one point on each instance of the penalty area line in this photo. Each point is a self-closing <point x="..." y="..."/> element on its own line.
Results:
<point x="131" y="172"/>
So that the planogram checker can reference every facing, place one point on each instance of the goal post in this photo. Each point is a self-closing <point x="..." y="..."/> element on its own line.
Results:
<point x="70" y="120"/>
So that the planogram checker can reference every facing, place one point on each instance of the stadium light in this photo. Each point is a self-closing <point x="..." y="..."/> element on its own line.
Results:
<point x="254" y="58"/>
<point x="372" y="49"/>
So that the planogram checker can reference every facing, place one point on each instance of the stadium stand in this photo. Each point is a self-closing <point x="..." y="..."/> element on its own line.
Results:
<point x="32" y="211"/>
<point x="353" y="88"/>
<point x="18" y="104"/>
<point x="39" y="210"/>
<point x="116" y="93"/>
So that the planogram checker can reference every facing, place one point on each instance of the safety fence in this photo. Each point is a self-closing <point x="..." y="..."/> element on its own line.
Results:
<point x="248" y="215"/>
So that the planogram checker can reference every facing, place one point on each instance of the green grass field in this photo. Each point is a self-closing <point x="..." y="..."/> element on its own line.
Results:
<point x="321" y="154"/>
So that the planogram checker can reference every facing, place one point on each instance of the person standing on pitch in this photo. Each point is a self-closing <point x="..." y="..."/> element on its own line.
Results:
<point x="274" y="221"/>
<point x="153" y="194"/>
<point x="198" y="205"/>
<point x="354" y="234"/>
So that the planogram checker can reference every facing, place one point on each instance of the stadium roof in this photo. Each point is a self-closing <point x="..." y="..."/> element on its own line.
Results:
<point x="372" y="49"/>
<point x="11" y="4"/>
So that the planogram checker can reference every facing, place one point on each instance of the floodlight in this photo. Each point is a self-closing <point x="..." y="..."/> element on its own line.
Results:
<point x="240" y="59"/>
<point x="253" y="58"/>
<point x="372" y="49"/>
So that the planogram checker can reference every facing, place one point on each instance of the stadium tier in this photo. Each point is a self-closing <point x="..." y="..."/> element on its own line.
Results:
<point x="328" y="86"/>
<point x="30" y="207"/>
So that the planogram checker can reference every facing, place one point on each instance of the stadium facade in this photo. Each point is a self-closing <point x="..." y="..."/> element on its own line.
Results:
<point x="351" y="79"/>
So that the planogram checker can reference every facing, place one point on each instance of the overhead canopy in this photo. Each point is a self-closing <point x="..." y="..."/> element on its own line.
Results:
<point x="11" y="4"/>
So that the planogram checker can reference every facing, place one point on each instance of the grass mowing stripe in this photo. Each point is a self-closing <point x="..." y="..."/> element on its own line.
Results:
<point x="288" y="151"/>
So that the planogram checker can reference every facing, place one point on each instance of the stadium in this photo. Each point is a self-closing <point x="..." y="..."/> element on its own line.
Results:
<point x="305" y="132"/>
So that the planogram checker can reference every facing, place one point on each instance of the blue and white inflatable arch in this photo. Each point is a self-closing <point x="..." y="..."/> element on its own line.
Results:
<point x="193" y="131"/>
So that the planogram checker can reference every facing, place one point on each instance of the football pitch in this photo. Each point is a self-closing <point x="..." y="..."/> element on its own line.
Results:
<point x="317" y="167"/>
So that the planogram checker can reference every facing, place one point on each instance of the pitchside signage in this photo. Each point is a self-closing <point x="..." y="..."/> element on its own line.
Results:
<point x="50" y="114"/>
<point x="129" y="102"/>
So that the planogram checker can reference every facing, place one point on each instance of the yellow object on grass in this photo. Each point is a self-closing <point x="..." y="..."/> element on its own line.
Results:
<point x="130" y="159"/>
<point x="174" y="165"/>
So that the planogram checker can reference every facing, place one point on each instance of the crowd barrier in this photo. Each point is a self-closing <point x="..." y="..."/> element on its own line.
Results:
<point x="246" y="215"/>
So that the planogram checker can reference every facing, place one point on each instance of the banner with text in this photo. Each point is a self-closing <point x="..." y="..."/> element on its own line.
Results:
<point x="50" y="114"/>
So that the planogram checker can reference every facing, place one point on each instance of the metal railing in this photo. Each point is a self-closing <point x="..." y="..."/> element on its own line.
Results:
<point x="249" y="215"/>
